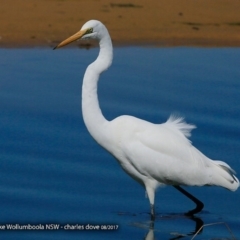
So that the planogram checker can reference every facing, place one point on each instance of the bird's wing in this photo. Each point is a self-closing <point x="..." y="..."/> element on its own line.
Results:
<point x="162" y="151"/>
<point x="169" y="138"/>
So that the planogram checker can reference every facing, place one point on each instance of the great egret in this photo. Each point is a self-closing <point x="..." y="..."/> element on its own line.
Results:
<point x="152" y="154"/>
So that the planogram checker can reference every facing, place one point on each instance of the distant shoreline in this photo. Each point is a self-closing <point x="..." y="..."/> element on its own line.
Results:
<point x="33" y="23"/>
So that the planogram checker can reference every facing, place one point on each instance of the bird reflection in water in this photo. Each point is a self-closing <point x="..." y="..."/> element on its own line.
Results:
<point x="176" y="235"/>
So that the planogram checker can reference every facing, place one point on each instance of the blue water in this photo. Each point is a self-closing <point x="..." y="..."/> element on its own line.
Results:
<point x="52" y="171"/>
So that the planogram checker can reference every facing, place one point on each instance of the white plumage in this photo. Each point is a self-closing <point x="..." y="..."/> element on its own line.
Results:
<point x="152" y="154"/>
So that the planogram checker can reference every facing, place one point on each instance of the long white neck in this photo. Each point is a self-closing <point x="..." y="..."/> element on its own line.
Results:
<point x="94" y="120"/>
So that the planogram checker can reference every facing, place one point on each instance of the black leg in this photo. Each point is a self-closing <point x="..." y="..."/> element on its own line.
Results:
<point x="152" y="212"/>
<point x="151" y="226"/>
<point x="199" y="204"/>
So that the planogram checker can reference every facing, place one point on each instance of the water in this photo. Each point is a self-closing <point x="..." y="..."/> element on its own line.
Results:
<point x="52" y="171"/>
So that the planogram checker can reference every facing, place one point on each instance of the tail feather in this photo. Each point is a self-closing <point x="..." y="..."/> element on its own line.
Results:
<point x="224" y="176"/>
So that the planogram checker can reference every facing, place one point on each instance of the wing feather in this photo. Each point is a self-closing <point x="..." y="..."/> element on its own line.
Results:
<point x="178" y="125"/>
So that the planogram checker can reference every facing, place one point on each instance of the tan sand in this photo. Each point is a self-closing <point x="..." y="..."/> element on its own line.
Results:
<point x="31" y="23"/>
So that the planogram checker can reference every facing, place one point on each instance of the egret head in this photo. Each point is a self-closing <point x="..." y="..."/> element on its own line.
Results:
<point x="92" y="29"/>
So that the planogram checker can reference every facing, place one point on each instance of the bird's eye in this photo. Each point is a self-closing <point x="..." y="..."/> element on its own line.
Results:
<point x="90" y="30"/>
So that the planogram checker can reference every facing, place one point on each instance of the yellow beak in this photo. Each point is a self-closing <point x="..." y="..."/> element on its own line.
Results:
<point x="73" y="38"/>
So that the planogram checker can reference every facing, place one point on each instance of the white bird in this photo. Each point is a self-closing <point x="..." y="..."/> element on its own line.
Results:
<point x="152" y="154"/>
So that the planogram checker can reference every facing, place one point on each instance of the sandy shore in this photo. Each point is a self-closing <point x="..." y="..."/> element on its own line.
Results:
<point x="31" y="23"/>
